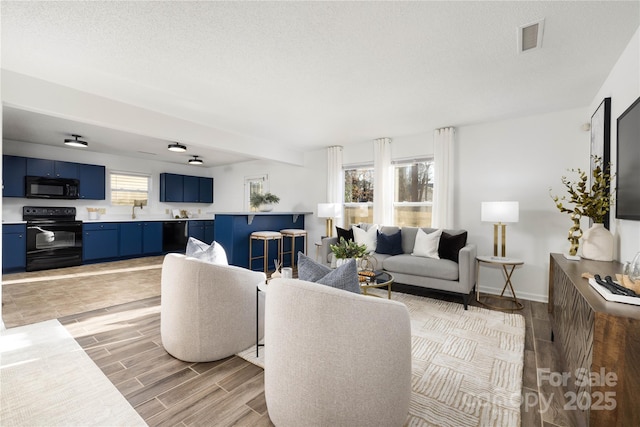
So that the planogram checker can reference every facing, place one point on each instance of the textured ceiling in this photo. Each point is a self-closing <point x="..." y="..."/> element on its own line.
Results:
<point x="305" y="75"/>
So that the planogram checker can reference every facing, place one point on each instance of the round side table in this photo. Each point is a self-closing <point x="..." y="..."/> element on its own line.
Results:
<point x="508" y="266"/>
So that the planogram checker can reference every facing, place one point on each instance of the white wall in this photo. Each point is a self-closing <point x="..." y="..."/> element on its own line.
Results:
<point x="520" y="160"/>
<point x="623" y="86"/>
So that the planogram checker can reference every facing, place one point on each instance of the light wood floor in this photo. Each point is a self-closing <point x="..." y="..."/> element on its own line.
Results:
<point x="112" y="310"/>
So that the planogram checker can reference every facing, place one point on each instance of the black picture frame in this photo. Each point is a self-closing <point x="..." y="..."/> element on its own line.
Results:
<point x="601" y="141"/>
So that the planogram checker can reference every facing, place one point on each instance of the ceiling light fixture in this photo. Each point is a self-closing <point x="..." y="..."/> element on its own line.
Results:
<point x="178" y="148"/>
<point x="195" y="161"/>
<point x="76" y="142"/>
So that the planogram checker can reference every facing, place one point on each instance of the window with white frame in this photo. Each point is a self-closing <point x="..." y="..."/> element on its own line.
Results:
<point x="413" y="195"/>
<point x="358" y="194"/>
<point x="127" y="187"/>
<point x="412" y="199"/>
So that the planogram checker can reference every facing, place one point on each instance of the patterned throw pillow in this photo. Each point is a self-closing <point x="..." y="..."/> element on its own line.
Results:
<point x="214" y="253"/>
<point x="346" y="234"/>
<point x="344" y="277"/>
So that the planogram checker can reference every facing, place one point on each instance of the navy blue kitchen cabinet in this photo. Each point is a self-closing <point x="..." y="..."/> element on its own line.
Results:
<point x="202" y="230"/>
<point x="185" y="188"/>
<point x="171" y="187"/>
<point x="14" y="247"/>
<point x="51" y="168"/>
<point x="14" y="169"/>
<point x="130" y="238"/>
<point x="92" y="181"/>
<point x="100" y="241"/>
<point x="151" y="237"/>
<point x="140" y="238"/>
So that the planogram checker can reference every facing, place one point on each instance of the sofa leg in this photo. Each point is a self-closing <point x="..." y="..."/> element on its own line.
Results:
<point x="465" y="301"/>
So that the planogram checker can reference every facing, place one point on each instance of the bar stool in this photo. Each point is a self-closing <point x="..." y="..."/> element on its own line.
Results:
<point x="293" y="233"/>
<point x="266" y="237"/>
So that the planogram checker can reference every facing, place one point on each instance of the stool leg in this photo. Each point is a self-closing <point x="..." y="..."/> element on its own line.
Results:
<point x="293" y="250"/>
<point x="264" y="253"/>
<point x="250" y="259"/>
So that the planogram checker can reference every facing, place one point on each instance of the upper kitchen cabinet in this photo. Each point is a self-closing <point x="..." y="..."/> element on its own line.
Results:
<point x="52" y="168"/>
<point x="185" y="188"/>
<point x="14" y="169"/>
<point x="92" y="182"/>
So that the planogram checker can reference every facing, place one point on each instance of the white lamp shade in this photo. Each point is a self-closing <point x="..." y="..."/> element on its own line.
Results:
<point x="500" y="212"/>
<point x="328" y="210"/>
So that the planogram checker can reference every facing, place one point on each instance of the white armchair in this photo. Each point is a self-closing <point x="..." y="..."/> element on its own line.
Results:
<point x="335" y="358"/>
<point x="208" y="311"/>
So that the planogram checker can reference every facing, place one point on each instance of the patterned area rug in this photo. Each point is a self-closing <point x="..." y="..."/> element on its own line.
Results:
<point x="466" y="365"/>
<point x="48" y="380"/>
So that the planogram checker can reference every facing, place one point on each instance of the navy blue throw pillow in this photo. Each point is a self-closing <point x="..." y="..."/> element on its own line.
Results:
<point x="390" y="244"/>
<point x="450" y="245"/>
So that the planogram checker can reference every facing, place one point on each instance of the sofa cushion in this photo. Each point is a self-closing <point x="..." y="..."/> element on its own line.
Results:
<point x="366" y="237"/>
<point x="421" y="266"/>
<point x="344" y="277"/>
<point x="390" y="244"/>
<point x="346" y="234"/>
<point x="426" y="244"/>
<point x="214" y="253"/>
<point x="450" y="245"/>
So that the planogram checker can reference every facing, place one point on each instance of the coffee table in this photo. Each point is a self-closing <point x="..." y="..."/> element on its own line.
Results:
<point x="380" y="281"/>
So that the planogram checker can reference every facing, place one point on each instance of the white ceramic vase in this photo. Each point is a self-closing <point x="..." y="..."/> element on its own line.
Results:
<point x="597" y="243"/>
<point x="265" y="207"/>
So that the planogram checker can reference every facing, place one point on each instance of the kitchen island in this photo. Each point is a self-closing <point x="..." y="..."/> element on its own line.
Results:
<point x="232" y="231"/>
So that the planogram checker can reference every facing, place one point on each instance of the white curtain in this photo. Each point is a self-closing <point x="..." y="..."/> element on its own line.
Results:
<point x="335" y="179"/>
<point x="382" y="182"/>
<point x="443" y="152"/>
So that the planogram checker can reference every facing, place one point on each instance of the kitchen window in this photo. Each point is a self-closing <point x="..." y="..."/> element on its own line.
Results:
<point x="127" y="187"/>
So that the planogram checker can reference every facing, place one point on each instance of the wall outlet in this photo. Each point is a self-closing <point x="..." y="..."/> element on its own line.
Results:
<point x="166" y="211"/>
<point x="199" y="212"/>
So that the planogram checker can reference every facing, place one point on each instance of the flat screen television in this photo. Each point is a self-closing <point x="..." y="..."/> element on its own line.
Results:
<point x="628" y="164"/>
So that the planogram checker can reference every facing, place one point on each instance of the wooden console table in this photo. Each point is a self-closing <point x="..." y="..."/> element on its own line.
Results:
<point x="596" y="337"/>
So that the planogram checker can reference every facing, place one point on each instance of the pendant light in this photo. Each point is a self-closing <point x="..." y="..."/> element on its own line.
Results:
<point x="195" y="161"/>
<point x="178" y="148"/>
<point x="76" y="142"/>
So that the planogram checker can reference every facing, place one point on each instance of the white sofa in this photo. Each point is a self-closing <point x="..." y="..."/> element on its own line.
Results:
<point x="438" y="274"/>
<point x="208" y="311"/>
<point x="335" y="358"/>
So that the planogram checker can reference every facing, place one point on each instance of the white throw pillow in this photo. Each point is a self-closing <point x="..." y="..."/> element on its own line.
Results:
<point x="214" y="253"/>
<point x="369" y="238"/>
<point x="427" y="244"/>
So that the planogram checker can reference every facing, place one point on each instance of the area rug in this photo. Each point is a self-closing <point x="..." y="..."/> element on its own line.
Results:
<point x="466" y="365"/>
<point x="48" y="380"/>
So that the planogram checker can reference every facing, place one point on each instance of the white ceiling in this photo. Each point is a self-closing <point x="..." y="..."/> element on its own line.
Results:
<point x="306" y="75"/>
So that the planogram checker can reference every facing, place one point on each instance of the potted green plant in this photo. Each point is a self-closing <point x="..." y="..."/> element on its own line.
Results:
<point x="346" y="249"/>
<point x="264" y="201"/>
<point x="589" y="201"/>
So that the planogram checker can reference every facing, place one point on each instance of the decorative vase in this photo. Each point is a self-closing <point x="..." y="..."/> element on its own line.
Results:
<point x="575" y="233"/>
<point x="265" y="207"/>
<point x="342" y="261"/>
<point x="597" y="243"/>
<point x="633" y="269"/>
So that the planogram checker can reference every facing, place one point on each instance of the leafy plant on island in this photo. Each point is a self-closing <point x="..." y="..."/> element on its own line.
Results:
<point x="258" y="199"/>
<point x="348" y="249"/>
<point x="593" y="202"/>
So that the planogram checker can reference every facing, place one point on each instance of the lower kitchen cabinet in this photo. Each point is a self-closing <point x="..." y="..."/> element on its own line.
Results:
<point x="14" y="247"/>
<point x="100" y="241"/>
<point x="202" y="230"/>
<point x="140" y="238"/>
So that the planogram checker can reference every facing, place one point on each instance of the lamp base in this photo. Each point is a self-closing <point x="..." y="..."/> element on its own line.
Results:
<point x="329" y="230"/>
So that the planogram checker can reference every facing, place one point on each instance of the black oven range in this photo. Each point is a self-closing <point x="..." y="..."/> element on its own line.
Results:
<point x="54" y="237"/>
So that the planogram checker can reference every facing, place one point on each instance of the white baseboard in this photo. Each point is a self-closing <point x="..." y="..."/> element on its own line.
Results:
<point x="520" y="294"/>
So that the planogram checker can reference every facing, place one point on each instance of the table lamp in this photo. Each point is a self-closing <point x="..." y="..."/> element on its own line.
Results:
<point x="328" y="211"/>
<point x="499" y="213"/>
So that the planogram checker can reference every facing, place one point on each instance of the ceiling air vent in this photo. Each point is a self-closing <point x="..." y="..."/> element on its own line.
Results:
<point x="530" y="36"/>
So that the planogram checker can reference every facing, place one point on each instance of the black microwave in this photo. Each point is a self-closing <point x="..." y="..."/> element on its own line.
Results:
<point x="38" y="187"/>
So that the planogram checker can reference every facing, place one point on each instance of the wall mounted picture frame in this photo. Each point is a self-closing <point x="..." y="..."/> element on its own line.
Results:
<point x="601" y="140"/>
